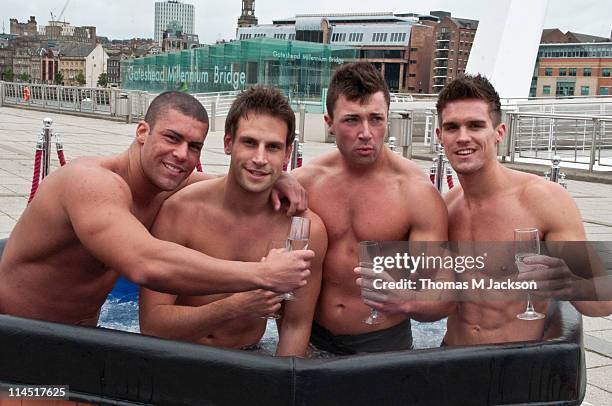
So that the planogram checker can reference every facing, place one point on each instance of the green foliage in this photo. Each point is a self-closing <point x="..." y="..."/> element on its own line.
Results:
<point x="80" y="78"/>
<point x="103" y="80"/>
<point x="58" y="78"/>
<point x="8" y="75"/>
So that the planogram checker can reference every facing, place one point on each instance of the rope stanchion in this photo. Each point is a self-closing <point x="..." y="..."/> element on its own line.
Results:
<point x="43" y="149"/>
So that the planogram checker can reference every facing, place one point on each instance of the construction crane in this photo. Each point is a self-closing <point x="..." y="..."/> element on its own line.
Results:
<point x="61" y="14"/>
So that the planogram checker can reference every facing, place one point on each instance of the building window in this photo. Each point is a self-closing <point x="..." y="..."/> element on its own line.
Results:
<point x="586" y="72"/>
<point x="416" y="49"/>
<point x="413" y="62"/>
<point x="604" y="91"/>
<point x="584" y="90"/>
<point x="605" y="72"/>
<point x="562" y="72"/>
<point x="572" y="71"/>
<point x="548" y="72"/>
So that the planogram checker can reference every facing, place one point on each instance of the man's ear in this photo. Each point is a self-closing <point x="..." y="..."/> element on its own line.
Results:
<point x="330" y="123"/>
<point x="227" y="144"/>
<point x="500" y="133"/>
<point x="439" y="136"/>
<point x="142" y="131"/>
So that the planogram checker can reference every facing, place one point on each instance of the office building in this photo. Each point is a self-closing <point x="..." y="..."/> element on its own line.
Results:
<point x="167" y="12"/>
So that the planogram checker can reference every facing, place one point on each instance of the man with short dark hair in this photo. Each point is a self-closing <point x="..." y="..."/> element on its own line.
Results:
<point x="490" y="202"/>
<point x="363" y="191"/>
<point x="230" y="218"/>
<point x="89" y="223"/>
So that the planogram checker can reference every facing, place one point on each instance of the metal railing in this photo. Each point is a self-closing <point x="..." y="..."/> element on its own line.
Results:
<point x="217" y="103"/>
<point x="128" y="104"/>
<point x="579" y="139"/>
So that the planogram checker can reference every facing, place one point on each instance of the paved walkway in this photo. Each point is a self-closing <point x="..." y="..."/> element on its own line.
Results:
<point x="87" y="136"/>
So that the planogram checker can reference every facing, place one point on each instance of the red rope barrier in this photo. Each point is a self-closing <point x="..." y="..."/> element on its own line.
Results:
<point x="300" y="156"/>
<point x="449" y="181"/>
<point x="36" y="176"/>
<point x="432" y="178"/>
<point x="199" y="166"/>
<point x="60" y="157"/>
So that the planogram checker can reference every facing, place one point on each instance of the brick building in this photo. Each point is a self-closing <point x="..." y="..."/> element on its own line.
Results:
<point x="420" y="51"/>
<point x="579" y="69"/>
<point x="453" y="42"/>
<point x="27" y="29"/>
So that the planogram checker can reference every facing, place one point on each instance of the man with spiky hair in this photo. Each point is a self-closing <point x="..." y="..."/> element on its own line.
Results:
<point x="231" y="218"/>
<point x="363" y="191"/>
<point x="490" y="203"/>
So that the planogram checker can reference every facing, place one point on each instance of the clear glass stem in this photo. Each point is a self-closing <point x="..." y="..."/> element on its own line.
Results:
<point x="530" y="308"/>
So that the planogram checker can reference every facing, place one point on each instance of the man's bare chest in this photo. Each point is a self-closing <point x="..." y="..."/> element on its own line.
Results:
<point x="233" y="239"/>
<point x="362" y="211"/>
<point x="491" y="222"/>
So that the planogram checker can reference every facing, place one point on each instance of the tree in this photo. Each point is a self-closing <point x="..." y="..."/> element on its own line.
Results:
<point x="24" y="77"/>
<point x="80" y="78"/>
<point x="8" y="75"/>
<point x="58" y="78"/>
<point x="103" y="80"/>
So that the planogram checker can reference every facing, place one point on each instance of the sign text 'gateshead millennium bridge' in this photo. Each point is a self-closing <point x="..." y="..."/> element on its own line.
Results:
<point x="175" y="74"/>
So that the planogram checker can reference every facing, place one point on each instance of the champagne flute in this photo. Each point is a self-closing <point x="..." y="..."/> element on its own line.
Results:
<point x="275" y="244"/>
<point x="299" y="235"/>
<point x="526" y="244"/>
<point x="368" y="250"/>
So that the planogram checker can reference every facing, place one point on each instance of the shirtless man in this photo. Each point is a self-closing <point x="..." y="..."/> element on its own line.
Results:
<point x="89" y="223"/>
<point x="491" y="202"/>
<point x="363" y="191"/>
<point x="230" y="218"/>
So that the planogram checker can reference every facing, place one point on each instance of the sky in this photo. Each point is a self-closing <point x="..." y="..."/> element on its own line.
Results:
<point x="119" y="19"/>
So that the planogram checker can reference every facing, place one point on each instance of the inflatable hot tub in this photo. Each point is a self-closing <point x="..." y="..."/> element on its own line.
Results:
<point x="117" y="368"/>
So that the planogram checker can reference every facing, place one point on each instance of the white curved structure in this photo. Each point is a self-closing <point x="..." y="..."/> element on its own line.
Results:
<point x="506" y="45"/>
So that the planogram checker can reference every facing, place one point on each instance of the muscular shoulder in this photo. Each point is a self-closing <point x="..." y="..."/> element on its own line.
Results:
<point x="191" y="198"/>
<point x="553" y="205"/>
<point x="316" y="169"/>
<point x="409" y="172"/>
<point x="416" y="184"/>
<point x="88" y="179"/>
<point x="540" y="193"/>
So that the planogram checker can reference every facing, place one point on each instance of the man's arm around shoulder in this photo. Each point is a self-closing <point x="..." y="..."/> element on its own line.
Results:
<point x="99" y="206"/>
